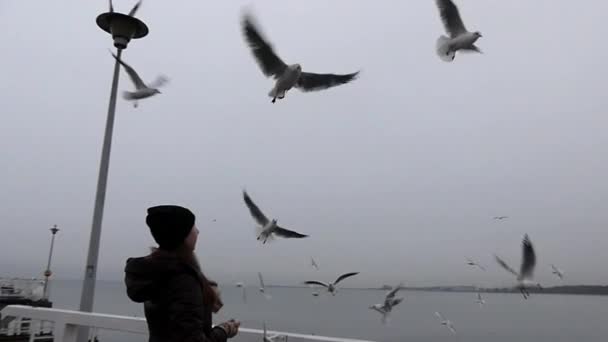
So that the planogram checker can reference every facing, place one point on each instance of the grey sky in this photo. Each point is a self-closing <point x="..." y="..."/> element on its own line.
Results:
<point x="396" y="175"/>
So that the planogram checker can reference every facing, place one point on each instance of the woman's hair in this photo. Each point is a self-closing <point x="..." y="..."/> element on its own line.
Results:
<point x="187" y="256"/>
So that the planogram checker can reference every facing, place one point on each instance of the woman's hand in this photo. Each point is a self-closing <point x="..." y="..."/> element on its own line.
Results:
<point x="231" y="327"/>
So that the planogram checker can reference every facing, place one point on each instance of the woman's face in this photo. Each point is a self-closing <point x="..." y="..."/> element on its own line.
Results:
<point x="191" y="238"/>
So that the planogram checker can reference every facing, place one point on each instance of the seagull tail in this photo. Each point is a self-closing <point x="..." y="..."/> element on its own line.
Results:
<point x="278" y="94"/>
<point x="443" y="49"/>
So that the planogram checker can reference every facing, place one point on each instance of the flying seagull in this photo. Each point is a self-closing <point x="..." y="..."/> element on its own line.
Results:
<point x="460" y="38"/>
<point x="526" y="272"/>
<point x="313" y="263"/>
<point x="480" y="300"/>
<point x="262" y="287"/>
<point x="446" y="322"/>
<point x="390" y="301"/>
<point x="268" y="228"/>
<point x="286" y="76"/>
<point x="557" y="272"/>
<point x="131" y="12"/>
<point x="331" y="287"/>
<point x="142" y="90"/>
<point x="244" y="290"/>
<point x="273" y="337"/>
<point x="500" y="218"/>
<point x="470" y="262"/>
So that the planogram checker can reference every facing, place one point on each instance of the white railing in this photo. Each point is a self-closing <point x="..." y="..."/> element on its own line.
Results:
<point x="66" y="323"/>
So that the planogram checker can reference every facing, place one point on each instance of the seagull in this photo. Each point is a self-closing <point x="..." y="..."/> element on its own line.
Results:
<point x="273" y="337"/>
<point x="287" y="76"/>
<point x="480" y="300"/>
<point x="500" y="218"/>
<point x="557" y="272"/>
<point x="131" y="12"/>
<point x="390" y="301"/>
<point x="262" y="287"/>
<point x="446" y="322"/>
<point x="470" y="262"/>
<point x="526" y="273"/>
<point x="460" y="38"/>
<point x="142" y="90"/>
<point x="267" y="229"/>
<point x="331" y="287"/>
<point x="314" y="264"/>
<point x="242" y="286"/>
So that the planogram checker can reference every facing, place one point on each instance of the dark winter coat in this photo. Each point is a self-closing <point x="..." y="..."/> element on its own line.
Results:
<point x="173" y="300"/>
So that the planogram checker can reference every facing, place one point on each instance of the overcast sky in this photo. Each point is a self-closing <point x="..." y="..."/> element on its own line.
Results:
<point x="396" y="175"/>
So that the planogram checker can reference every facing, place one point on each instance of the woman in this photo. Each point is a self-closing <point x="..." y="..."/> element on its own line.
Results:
<point x="178" y="299"/>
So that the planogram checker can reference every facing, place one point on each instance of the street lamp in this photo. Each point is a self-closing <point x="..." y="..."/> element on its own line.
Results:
<point x="47" y="272"/>
<point x="123" y="28"/>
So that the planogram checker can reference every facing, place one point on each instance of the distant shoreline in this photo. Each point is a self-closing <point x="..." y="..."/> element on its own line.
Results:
<point x="598" y="290"/>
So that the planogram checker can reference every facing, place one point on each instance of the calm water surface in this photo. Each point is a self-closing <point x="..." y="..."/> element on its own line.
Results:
<point x="504" y="318"/>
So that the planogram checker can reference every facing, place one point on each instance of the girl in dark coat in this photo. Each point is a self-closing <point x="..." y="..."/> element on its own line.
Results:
<point x="178" y="299"/>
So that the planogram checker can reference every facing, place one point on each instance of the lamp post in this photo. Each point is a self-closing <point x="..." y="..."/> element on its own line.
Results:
<point x="123" y="28"/>
<point x="47" y="272"/>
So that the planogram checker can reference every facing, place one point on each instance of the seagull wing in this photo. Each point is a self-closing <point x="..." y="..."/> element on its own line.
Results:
<point x="557" y="271"/>
<point x="254" y="210"/>
<point x="265" y="56"/>
<point x="394" y="301"/>
<point x="111" y="7"/>
<point x="451" y="18"/>
<point x="134" y="9"/>
<point x="439" y="316"/>
<point x="391" y="294"/>
<point x="261" y="280"/>
<point x="344" y="276"/>
<point x="505" y="265"/>
<point x="314" y="264"/>
<point x="139" y="84"/>
<point x="312" y="82"/>
<point x="286" y="233"/>
<point x="451" y="326"/>
<point x="316" y="282"/>
<point x="528" y="260"/>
